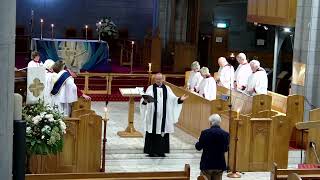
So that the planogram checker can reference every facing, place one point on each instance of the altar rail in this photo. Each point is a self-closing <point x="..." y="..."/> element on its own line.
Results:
<point x="110" y="76"/>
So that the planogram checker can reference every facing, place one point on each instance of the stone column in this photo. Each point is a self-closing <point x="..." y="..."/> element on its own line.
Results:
<point x="7" y="60"/>
<point x="306" y="54"/>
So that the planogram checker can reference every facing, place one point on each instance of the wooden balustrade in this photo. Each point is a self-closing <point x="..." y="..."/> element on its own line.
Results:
<point x="109" y="77"/>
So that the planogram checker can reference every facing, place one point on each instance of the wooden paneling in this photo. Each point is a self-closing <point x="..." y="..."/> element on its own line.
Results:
<point x="184" y="55"/>
<point x="82" y="145"/>
<point x="152" y="52"/>
<point x="273" y="12"/>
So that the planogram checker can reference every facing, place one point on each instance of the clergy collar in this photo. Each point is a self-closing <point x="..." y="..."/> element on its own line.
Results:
<point x="259" y="69"/>
<point x="158" y="85"/>
<point x="208" y="76"/>
<point x="36" y="61"/>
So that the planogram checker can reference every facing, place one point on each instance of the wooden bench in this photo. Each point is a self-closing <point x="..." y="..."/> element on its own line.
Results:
<point x="277" y="174"/>
<point x="168" y="175"/>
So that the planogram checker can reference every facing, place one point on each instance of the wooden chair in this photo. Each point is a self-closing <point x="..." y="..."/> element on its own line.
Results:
<point x="168" y="175"/>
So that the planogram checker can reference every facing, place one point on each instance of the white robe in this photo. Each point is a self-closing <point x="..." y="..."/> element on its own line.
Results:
<point x="66" y="95"/>
<point x="208" y="88"/>
<point x="226" y="76"/>
<point x="172" y="111"/>
<point x="257" y="83"/>
<point x="34" y="64"/>
<point x="194" y="80"/>
<point x="50" y="80"/>
<point x="242" y="74"/>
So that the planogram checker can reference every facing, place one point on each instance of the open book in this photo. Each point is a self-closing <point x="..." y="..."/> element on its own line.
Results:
<point x="148" y="98"/>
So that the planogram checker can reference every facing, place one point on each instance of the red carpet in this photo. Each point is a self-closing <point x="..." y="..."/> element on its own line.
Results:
<point x="308" y="166"/>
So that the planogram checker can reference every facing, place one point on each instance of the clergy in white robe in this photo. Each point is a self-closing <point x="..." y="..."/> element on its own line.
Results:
<point x="160" y="116"/>
<point x="208" y="86"/>
<point x="64" y="90"/>
<point x="195" y="77"/>
<point x="258" y="80"/>
<point x="242" y="73"/>
<point x="35" y="62"/>
<point x="50" y="80"/>
<point x="225" y="73"/>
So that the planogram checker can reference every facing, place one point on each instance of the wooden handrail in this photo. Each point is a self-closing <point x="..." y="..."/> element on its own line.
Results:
<point x="308" y="125"/>
<point x="110" y="76"/>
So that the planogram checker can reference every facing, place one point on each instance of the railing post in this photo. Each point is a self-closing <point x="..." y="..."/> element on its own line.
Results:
<point x="86" y="84"/>
<point x="110" y="84"/>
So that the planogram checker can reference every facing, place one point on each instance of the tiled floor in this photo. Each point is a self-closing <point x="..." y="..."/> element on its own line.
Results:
<point x="126" y="154"/>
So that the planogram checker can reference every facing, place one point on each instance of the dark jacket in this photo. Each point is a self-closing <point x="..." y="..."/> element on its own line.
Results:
<point x="214" y="142"/>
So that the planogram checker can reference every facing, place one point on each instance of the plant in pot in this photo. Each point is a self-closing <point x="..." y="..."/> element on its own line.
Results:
<point x="44" y="130"/>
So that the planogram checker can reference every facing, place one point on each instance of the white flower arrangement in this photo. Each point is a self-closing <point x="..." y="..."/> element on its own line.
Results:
<point x="107" y="28"/>
<point x="45" y="129"/>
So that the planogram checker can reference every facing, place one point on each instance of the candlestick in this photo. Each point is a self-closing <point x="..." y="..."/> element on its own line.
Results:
<point x="131" y="58"/>
<point x="86" y="32"/>
<point x="106" y="116"/>
<point x="52" y="26"/>
<point x="41" y="28"/>
<point x="238" y="113"/>
<point x="149" y="64"/>
<point x="99" y="30"/>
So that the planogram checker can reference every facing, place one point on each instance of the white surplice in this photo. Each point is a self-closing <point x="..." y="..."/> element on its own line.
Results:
<point x="173" y="110"/>
<point x="194" y="80"/>
<point x="242" y="74"/>
<point x="34" y="64"/>
<point x="66" y="95"/>
<point x="226" y="76"/>
<point x="50" y="80"/>
<point x="257" y="83"/>
<point x="208" y="88"/>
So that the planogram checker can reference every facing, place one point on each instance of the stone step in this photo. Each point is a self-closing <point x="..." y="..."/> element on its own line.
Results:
<point x="140" y="151"/>
<point x="144" y="156"/>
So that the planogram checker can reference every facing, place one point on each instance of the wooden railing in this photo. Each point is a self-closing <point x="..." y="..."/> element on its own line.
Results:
<point x="110" y="76"/>
<point x="166" y="175"/>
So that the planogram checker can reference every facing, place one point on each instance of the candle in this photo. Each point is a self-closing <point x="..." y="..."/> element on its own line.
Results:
<point x="86" y="31"/>
<point x="149" y="64"/>
<point x="238" y="113"/>
<point x="41" y="28"/>
<point x="52" y="26"/>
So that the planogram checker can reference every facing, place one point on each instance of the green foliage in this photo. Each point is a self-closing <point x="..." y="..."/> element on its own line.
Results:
<point x="45" y="129"/>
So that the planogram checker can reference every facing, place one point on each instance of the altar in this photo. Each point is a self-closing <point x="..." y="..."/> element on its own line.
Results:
<point x="78" y="54"/>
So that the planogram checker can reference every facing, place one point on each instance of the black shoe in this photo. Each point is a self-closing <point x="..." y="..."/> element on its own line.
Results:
<point x="152" y="155"/>
<point x="162" y="155"/>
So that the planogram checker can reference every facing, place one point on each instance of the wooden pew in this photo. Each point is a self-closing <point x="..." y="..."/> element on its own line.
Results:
<point x="263" y="138"/>
<point x="313" y="127"/>
<point x="277" y="174"/>
<point x="82" y="145"/>
<point x="167" y="175"/>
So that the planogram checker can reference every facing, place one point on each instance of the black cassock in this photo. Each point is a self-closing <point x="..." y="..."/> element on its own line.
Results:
<point x="157" y="144"/>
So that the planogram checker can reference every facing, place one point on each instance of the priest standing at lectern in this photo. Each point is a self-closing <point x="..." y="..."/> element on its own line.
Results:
<point x="258" y="80"/>
<point x="195" y="77"/>
<point x="208" y="86"/>
<point x="242" y="73"/>
<point x="225" y="73"/>
<point x="160" y="116"/>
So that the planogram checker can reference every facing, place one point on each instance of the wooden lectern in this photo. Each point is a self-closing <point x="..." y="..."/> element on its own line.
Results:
<point x="130" y="130"/>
